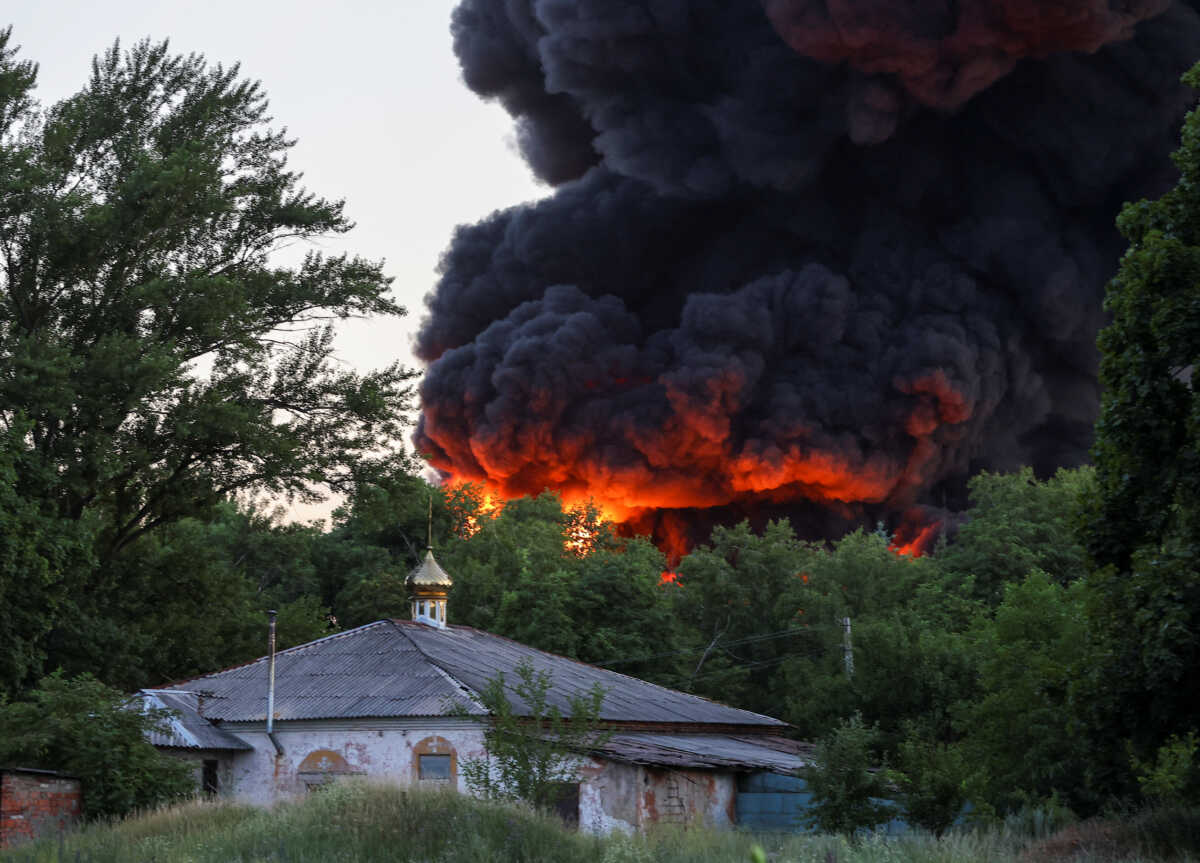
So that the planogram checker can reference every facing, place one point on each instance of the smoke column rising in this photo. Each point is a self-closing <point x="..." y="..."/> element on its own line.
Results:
<point x="823" y="259"/>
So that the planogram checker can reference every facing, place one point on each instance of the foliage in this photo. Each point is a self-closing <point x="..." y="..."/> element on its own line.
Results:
<point x="847" y="786"/>
<point x="1173" y="778"/>
<point x="155" y="356"/>
<point x="361" y="821"/>
<point x="1027" y="655"/>
<point x="83" y="728"/>
<point x="530" y="747"/>
<point x="191" y="598"/>
<point x="42" y="557"/>
<point x="933" y="778"/>
<point x="1143" y="525"/>
<point x="1015" y="524"/>
<point x="735" y="594"/>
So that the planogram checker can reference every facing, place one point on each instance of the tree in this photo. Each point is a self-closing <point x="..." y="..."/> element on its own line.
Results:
<point x="1028" y="656"/>
<point x="41" y="555"/>
<point x="163" y="358"/>
<point x="848" y="791"/>
<point x="733" y="591"/>
<point x="156" y="357"/>
<point x="1143" y="525"/>
<point x="530" y="756"/>
<point x="1016" y="523"/>
<point x="191" y="598"/>
<point x="932" y="779"/>
<point x="84" y="728"/>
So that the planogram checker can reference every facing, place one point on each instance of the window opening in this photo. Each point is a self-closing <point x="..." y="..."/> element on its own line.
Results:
<point x="435" y="767"/>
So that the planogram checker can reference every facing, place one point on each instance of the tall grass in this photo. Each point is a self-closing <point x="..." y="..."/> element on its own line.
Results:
<point x="372" y="822"/>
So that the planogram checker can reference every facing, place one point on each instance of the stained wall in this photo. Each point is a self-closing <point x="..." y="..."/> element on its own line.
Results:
<point x="317" y="752"/>
<point x="630" y="797"/>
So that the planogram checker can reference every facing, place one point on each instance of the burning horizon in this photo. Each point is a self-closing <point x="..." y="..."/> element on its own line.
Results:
<point x="816" y="259"/>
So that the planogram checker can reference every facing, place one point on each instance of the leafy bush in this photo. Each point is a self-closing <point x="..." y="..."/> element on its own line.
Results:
<point x="530" y="757"/>
<point x="846" y="790"/>
<point x="933" y="783"/>
<point x="1172" y="778"/>
<point x="84" y="728"/>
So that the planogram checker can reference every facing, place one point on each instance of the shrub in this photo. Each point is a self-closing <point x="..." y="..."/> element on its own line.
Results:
<point x="1173" y="777"/>
<point x="846" y="790"/>
<point x="933" y="780"/>
<point x="82" y="727"/>
<point x="532" y="757"/>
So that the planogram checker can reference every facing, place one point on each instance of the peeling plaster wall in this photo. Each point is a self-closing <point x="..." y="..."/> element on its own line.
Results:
<point x="612" y="795"/>
<point x="381" y="749"/>
<point x="688" y="797"/>
<point x="628" y="797"/>
<point x="608" y="797"/>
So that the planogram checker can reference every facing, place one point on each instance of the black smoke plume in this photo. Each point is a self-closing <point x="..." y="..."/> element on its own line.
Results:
<point x="822" y="257"/>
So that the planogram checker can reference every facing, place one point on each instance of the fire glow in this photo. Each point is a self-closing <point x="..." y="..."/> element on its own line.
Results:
<point x="709" y="470"/>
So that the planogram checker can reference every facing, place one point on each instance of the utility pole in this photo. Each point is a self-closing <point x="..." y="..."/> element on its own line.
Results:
<point x="847" y="648"/>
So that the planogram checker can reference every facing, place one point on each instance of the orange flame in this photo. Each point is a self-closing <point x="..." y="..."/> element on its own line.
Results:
<point x="915" y="536"/>
<point x="693" y="461"/>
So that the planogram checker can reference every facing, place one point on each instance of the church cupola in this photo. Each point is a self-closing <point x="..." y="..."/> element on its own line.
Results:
<point x="429" y="586"/>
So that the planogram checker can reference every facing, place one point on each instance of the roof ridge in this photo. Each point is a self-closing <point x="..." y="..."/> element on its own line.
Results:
<point x="305" y="645"/>
<point x="471" y="693"/>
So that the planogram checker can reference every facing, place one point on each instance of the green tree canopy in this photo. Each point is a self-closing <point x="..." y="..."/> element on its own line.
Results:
<point x="1017" y="523"/>
<point x="162" y="356"/>
<point x="1143" y="525"/>
<point x="156" y="355"/>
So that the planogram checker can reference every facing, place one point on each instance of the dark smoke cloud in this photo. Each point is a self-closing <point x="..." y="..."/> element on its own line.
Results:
<point x="826" y="256"/>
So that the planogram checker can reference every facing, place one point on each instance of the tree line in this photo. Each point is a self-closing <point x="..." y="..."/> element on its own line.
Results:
<point x="161" y="375"/>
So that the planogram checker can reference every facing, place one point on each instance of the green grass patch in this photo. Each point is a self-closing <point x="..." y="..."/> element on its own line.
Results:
<point x="364" y="821"/>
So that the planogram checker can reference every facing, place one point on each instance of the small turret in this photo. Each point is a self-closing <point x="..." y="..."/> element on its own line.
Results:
<point x="429" y="586"/>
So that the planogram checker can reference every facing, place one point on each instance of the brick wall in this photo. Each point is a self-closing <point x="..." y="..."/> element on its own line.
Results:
<point x="36" y="803"/>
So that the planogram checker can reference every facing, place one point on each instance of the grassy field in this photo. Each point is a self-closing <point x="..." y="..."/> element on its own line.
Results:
<point x="364" y="822"/>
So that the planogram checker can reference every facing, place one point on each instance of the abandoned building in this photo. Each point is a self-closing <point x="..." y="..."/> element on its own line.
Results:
<point x="380" y="701"/>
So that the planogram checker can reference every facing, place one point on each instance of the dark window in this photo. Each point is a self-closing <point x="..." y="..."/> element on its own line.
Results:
<point x="210" y="783"/>
<point x="434" y="766"/>
<point x="566" y="802"/>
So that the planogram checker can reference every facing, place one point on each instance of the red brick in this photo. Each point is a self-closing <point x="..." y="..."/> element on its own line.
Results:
<point x="36" y="804"/>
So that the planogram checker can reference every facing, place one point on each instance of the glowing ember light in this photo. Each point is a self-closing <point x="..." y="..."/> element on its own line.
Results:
<point x="693" y="463"/>
<point x="669" y="578"/>
<point x="915" y="536"/>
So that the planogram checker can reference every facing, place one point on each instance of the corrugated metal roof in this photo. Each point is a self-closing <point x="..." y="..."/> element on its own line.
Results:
<point x="187" y="729"/>
<point x="475" y="658"/>
<point x="402" y="668"/>
<point x="706" y="751"/>
<point x="369" y="671"/>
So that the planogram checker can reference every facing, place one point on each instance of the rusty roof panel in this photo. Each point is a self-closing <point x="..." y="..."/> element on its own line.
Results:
<point x="705" y="752"/>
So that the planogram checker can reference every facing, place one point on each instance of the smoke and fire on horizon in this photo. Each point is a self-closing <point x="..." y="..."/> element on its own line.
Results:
<point x="822" y="259"/>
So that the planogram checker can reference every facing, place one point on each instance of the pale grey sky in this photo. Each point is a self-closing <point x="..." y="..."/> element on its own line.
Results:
<point x="372" y="92"/>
